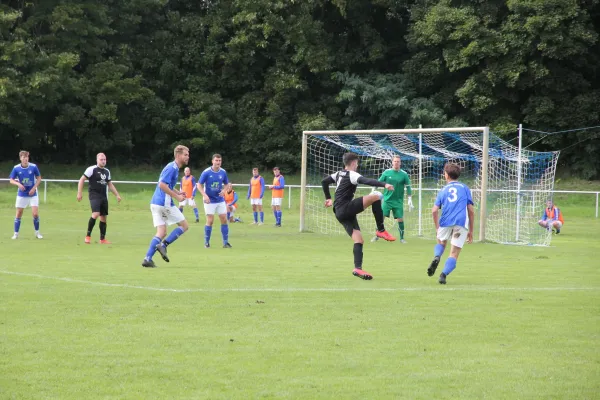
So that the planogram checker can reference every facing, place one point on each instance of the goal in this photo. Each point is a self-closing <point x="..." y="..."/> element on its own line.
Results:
<point x="509" y="185"/>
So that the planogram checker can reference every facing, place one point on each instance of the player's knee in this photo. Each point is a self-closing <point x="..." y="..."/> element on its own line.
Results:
<point x="400" y="219"/>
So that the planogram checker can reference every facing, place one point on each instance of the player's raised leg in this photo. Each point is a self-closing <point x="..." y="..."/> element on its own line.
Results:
<point x="374" y="200"/>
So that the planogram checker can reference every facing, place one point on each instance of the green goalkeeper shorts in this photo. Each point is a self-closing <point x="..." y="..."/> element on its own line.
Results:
<point x="396" y="209"/>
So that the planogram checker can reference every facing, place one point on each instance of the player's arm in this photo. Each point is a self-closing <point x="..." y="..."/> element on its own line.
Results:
<point x="374" y="182"/>
<point x="281" y="183"/>
<point x="262" y="187"/>
<point x="14" y="181"/>
<point x="165" y="188"/>
<point x="194" y="186"/>
<point x="325" y="185"/>
<point x="114" y="191"/>
<point x="249" y="189"/>
<point x="80" y="187"/>
<point x="17" y="183"/>
<point x="200" y="186"/>
<point x="435" y="211"/>
<point x="471" y="214"/>
<point x="235" y="199"/>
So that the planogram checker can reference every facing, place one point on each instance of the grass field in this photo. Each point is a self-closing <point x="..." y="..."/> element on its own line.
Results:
<point x="280" y="315"/>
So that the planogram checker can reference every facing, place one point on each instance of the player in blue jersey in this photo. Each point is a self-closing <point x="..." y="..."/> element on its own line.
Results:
<point x="164" y="211"/>
<point x="456" y="203"/>
<point x="211" y="186"/>
<point x="26" y="176"/>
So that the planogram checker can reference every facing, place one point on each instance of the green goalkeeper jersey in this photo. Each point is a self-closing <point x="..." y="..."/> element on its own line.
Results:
<point x="398" y="179"/>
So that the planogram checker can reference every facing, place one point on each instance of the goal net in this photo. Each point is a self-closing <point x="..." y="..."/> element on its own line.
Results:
<point x="515" y="192"/>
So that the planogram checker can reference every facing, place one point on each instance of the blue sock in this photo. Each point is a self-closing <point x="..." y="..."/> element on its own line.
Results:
<point x="228" y="215"/>
<point x="207" y="232"/>
<point x="196" y="213"/>
<point x="255" y="216"/>
<point x="173" y="236"/>
<point x="438" y="250"/>
<point x="152" y="249"/>
<point x="181" y="209"/>
<point x="275" y="215"/>
<point x="279" y="217"/>
<point x="449" y="266"/>
<point x="262" y="216"/>
<point x="17" y="224"/>
<point x="225" y="233"/>
<point x="36" y="223"/>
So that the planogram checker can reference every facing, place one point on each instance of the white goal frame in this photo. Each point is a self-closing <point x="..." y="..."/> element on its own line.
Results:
<point x="485" y="132"/>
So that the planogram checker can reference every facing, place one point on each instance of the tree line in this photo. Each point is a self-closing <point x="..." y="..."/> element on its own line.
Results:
<point x="243" y="78"/>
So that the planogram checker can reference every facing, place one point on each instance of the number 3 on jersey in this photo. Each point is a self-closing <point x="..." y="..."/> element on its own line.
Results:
<point x="453" y="195"/>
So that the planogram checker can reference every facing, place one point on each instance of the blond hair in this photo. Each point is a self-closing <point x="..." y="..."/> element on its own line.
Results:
<point x="180" y="149"/>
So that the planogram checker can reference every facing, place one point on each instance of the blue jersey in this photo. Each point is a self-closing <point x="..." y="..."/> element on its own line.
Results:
<point x="213" y="184"/>
<point x="169" y="176"/>
<point x="453" y="200"/>
<point x="26" y="177"/>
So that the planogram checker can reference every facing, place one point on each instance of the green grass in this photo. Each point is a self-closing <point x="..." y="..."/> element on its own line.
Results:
<point x="281" y="316"/>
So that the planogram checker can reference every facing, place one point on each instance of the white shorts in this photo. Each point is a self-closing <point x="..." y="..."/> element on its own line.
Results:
<point x="276" y="201"/>
<point x="557" y="224"/>
<point x="457" y="233"/>
<point x="256" y="202"/>
<point x="187" y="202"/>
<point x="215" y="208"/>
<point x="165" y="215"/>
<point x="24" y="202"/>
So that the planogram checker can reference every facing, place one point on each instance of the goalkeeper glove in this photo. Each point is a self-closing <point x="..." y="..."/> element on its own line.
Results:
<point x="410" y="204"/>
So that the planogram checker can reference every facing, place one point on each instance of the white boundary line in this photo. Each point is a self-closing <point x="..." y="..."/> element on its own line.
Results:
<point x="292" y="290"/>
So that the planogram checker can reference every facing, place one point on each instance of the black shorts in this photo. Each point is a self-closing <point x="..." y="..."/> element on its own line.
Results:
<point x="99" y="205"/>
<point x="346" y="214"/>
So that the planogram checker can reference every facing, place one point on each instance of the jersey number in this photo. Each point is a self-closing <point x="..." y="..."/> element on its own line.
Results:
<point x="453" y="196"/>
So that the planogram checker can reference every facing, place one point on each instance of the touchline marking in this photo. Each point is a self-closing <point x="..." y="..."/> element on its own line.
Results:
<point x="357" y="289"/>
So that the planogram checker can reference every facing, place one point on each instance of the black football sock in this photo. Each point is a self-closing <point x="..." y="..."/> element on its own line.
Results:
<point x="91" y="224"/>
<point x="358" y="255"/>
<point x="378" y="213"/>
<point x="102" y="230"/>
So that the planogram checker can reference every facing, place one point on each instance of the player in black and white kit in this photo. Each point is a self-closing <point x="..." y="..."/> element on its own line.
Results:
<point x="346" y="207"/>
<point x="99" y="182"/>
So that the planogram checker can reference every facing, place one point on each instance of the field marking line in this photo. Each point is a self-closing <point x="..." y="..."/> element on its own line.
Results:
<point x="291" y="290"/>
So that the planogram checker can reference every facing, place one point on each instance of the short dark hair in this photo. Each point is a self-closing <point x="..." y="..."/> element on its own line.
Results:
<point x="453" y="170"/>
<point x="23" y="153"/>
<point x="349" y="157"/>
<point x="276" y="168"/>
<point x="216" y="155"/>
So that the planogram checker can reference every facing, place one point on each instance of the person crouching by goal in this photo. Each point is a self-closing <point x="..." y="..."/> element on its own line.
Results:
<point x="346" y="208"/>
<point x="552" y="217"/>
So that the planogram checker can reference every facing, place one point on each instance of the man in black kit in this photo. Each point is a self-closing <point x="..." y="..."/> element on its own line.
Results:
<point x="346" y="208"/>
<point x="99" y="180"/>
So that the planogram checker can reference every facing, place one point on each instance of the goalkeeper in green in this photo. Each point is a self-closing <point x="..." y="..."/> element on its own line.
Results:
<point x="393" y="200"/>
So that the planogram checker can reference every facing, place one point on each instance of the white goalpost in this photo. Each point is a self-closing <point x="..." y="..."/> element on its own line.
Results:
<point x="509" y="184"/>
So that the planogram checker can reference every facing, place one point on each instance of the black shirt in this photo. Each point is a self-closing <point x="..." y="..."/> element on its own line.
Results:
<point x="98" y="181"/>
<point x="346" y="182"/>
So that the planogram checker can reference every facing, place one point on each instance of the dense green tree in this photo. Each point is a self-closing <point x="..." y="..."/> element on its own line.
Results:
<point x="243" y="78"/>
